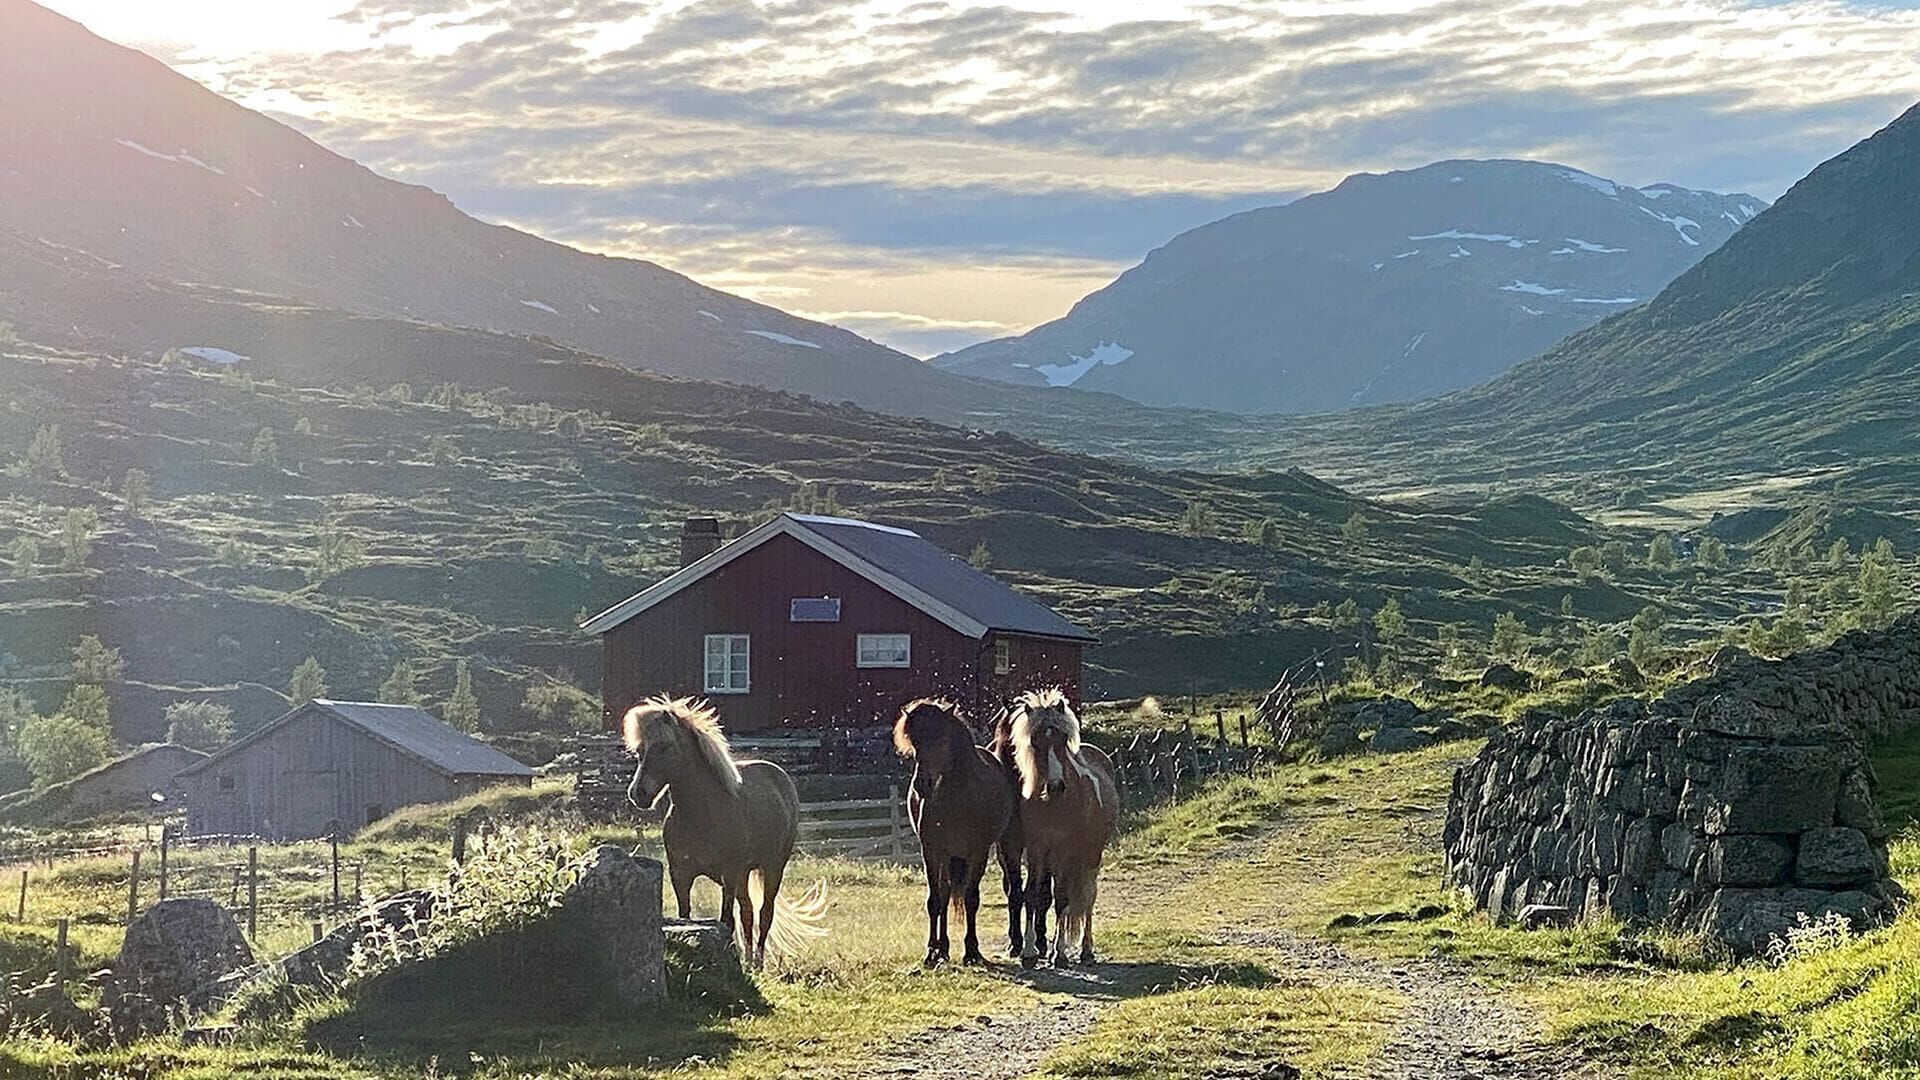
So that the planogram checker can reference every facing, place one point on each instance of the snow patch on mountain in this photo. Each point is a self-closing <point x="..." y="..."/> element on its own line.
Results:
<point x="538" y="305"/>
<point x="1597" y="249"/>
<point x="782" y="338"/>
<point x="214" y="355"/>
<point x="1680" y="224"/>
<point x="1604" y="187"/>
<point x="1105" y="354"/>
<point x="1612" y="300"/>
<point x="1492" y="238"/>
<point x="181" y="158"/>
<point x="1531" y="288"/>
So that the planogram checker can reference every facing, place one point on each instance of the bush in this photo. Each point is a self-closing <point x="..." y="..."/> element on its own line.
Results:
<point x="58" y="748"/>
<point x="203" y="725"/>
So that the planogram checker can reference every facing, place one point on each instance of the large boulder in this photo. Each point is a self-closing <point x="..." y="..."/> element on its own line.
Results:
<point x="1506" y="677"/>
<point x="615" y="905"/>
<point x="172" y="960"/>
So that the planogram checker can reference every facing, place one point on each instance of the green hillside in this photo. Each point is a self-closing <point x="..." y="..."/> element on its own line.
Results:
<point x="366" y="524"/>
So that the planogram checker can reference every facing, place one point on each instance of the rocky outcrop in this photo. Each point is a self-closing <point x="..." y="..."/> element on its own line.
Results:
<point x="1730" y="806"/>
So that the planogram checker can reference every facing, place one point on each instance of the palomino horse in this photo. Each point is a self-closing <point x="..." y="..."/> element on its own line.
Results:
<point x="1069" y="805"/>
<point x="960" y="805"/>
<point x="733" y="822"/>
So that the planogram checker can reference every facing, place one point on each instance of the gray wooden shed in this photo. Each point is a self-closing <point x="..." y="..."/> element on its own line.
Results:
<point x="335" y="766"/>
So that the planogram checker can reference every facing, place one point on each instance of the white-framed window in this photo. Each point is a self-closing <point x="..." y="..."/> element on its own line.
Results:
<point x="883" y="650"/>
<point x="1002" y="657"/>
<point x="727" y="664"/>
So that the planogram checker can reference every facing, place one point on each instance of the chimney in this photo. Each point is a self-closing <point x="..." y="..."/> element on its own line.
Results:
<point x="699" y="538"/>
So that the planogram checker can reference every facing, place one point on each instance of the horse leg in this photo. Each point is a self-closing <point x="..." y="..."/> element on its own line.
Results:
<point x="936" y="909"/>
<point x="737" y="889"/>
<point x="1039" y="899"/>
<point x="1062" y="901"/>
<point x="769" y="891"/>
<point x="1035" y="897"/>
<point x="971" y="898"/>
<point x="682" y="887"/>
<point x="1091" y="890"/>
<point x="1010" y="883"/>
<point x="726" y="905"/>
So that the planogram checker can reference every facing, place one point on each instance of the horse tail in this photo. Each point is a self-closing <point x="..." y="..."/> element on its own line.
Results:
<point x="795" y="922"/>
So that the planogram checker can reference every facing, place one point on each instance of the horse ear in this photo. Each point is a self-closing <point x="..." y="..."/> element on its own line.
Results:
<point x="630" y="729"/>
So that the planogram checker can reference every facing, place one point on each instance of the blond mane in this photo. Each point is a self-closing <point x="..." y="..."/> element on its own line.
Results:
<point x="904" y="745"/>
<point x="1036" y="710"/>
<point x="686" y="718"/>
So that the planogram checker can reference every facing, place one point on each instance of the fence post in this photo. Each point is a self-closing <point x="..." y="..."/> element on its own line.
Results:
<point x="253" y="891"/>
<point x="133" y="888"/>
<point x="335" y="840"/>
<point x="315" y="926"/>
<point x="1243" y="731"/>
<point x="893" y="821"/>
<point x="165" y="831"/>
<point x="459" y="840"/>
<point x="20" y="915"/>
<point x="1219" y="726"/>
<point x="357" y="897"/>
<point x="60" y="960"/>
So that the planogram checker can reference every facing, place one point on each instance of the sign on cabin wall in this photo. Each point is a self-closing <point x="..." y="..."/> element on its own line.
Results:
<point x="814" y="609"/>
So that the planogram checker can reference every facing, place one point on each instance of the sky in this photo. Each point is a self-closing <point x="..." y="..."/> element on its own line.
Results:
<point x="931" y="173"/>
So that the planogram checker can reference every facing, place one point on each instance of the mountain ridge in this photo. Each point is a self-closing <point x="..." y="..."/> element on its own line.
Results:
<point x="1387" y="287"/>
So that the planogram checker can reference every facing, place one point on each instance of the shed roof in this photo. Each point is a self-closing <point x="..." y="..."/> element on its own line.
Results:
<point x="437" y="745"/>
<point x="901" y="561"/>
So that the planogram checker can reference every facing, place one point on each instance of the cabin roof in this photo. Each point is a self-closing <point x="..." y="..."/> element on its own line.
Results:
<point x="898" y="560"/>
<point x="436" y="744"/>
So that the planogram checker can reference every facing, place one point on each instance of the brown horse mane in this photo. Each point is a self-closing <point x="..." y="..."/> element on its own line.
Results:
<point x="959" y="741"/>
<point x="695" y="719"/>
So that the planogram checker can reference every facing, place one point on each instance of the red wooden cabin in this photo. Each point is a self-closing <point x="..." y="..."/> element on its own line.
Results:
<point x="815" y="621"/>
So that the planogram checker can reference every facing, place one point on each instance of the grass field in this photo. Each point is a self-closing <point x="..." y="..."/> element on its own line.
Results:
<point x="1197" y="903"/>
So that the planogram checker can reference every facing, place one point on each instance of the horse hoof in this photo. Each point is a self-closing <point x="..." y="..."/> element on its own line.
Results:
<point x="933" y="960"/>
<point x="1028" y="963"/>
<point x="974" y="959"/>
<point x="1086" y="958"/>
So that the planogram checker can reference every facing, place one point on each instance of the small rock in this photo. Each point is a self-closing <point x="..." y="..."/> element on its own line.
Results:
<point x="1542" y="916"/>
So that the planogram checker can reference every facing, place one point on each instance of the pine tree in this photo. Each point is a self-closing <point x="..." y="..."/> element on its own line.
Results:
<point x="266" y="449"/>
<point x="43" y="460"/>
<point x="309" y="681"/>
<point x="463" y="708"/>
<point x="1712" y="554"/>
<point x="76" y="537"/>
<point x="135" y="489"/>
<point x="1354" y="531"/>
<point x="94" y="664"/>
<point x="1509" y="635"/>
<point x="402" y="686"/>
<point x="24" y="554"/>
<point x="1660" y="554"/>
<point x="1389" y="623"/>
<point x="981" y="558"/>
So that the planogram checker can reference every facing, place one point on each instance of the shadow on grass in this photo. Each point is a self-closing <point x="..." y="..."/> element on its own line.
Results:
<point x="1104" y="981"/>
<point x="533" y="1003"/>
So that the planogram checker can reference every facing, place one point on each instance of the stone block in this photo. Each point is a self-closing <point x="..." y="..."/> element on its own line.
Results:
<point x="1836" y="856"/>
<point x="1748" y="860"/>
<point x="615" y="905"/>
<point x="1775" y="789"/>
<point x="1678" y="844"/>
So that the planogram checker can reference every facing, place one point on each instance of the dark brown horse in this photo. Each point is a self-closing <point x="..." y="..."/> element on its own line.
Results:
<point x="960" y="804"/>
<point x="1069" y="806"/>
<point x="733" y="822"/>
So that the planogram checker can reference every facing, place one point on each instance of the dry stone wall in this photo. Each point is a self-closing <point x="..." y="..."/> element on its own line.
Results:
<point x="1730" y="806"/>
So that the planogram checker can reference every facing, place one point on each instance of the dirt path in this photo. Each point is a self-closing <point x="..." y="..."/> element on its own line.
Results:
<point x="990" y="1048"/>
<point x="1453" y="1027"/>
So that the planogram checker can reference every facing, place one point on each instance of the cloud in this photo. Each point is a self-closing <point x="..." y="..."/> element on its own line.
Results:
<point x="797" y="135"/>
